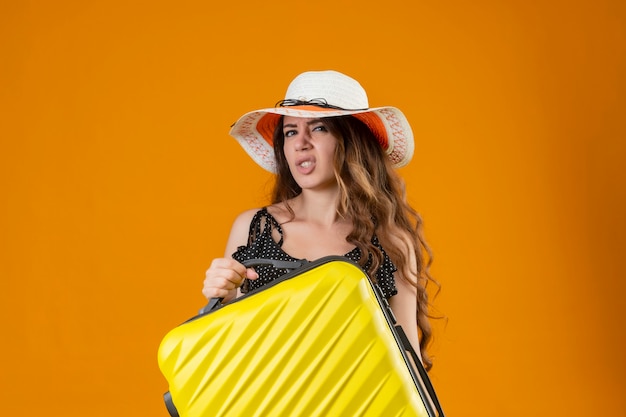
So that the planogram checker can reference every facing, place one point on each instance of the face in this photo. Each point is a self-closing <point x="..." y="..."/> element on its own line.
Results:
<point x="309" y="149"/>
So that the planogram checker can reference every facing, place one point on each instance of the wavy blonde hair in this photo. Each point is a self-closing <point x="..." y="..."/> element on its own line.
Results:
<point x="373" y="197"/>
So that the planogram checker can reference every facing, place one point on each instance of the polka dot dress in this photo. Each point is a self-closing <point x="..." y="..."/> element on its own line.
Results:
<point x="262" y="245"/>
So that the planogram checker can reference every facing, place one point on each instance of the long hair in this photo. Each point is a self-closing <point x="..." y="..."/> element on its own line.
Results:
<point x="373" y="197"/>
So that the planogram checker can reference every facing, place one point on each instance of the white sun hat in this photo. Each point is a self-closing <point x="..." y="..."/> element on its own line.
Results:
<point x="317" y="94"/>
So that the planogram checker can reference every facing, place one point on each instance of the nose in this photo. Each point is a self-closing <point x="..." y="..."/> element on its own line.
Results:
<point x="303" y="141"/>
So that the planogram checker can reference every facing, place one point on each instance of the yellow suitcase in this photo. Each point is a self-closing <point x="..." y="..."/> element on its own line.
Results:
<point x="320" y="341"/>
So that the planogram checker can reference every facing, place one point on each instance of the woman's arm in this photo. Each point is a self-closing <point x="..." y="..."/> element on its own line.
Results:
<point x="404" y="307"/>
<point x="404" y="303"/>
<point x="225" y="275"/>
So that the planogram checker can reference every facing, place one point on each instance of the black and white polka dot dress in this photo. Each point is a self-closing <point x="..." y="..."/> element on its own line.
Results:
<point x="262" y="245"/>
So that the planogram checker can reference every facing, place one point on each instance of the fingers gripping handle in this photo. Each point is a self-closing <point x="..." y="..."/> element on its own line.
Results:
<point x="215" y="303"/>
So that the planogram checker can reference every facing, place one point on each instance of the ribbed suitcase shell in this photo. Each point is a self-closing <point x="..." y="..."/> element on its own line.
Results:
<point x="318" y="342"/>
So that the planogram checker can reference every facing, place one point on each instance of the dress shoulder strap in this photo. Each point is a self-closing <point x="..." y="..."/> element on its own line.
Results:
<point x="262" y="224"/>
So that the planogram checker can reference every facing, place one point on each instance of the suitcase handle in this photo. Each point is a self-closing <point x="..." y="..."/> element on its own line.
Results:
<point x="215" y="303"/>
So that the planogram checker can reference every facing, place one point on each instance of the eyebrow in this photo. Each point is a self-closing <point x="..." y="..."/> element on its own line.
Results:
<point x="309" y="123"/>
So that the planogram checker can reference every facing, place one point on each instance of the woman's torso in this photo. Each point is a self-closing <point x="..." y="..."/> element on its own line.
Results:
<point x="266" y="240"/>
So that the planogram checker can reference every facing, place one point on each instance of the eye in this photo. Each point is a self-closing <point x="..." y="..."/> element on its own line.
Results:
<point x="320" y="128"/>
<point x="289" y="133"/>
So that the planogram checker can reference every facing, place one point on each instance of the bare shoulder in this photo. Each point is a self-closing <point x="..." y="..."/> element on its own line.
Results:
<point x="239" y="230"/>
<point x="243" y="219"/>
<point x="401" y="238"/>
<point x="280" y="212"/>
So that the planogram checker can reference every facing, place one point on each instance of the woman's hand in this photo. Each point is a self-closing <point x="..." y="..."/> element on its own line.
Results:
<point x="224" y="277"/>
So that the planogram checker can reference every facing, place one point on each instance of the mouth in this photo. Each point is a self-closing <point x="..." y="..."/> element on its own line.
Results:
<point x="305" y="165"/>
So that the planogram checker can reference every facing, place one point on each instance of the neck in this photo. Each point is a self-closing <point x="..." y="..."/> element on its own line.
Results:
<point x="317" y="206"/>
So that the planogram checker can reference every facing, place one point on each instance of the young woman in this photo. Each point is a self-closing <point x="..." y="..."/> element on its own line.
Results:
<point x="336" y="193"/>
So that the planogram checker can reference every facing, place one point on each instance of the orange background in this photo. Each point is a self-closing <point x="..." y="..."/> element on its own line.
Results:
<point x="119" y="183"/>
